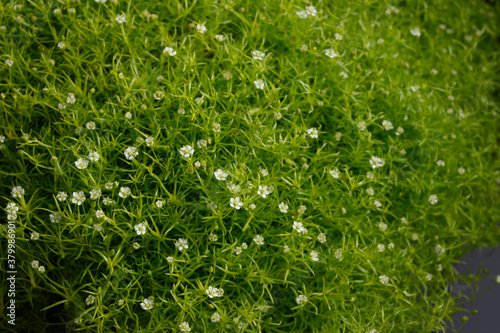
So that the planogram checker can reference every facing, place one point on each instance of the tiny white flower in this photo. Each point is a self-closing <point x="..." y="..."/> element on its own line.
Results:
<point x="387" y="125"/>
<point x="159" y="95"/>
<point x="90" y="299"/>
<point x="71" y="99"/>
<point x="136" y="246"/>
<point x="213" y="237"/>
<point x="311" y="10"/>
<point x="383" y="279"/>
<point x="170" y="51"/>
<point x="121" y="19"/>
<point x="17" y="191"/>
<point x="382" y="226"/>
<point x="335" y="173"/>
<point x="9" y="62"/>
<point x="90" y="125"/>
<point x="61" y="196"/>
<point x="252" y="206"/>
<point x="128" y="115"/>
<point x="35" y="235"/>
<point x="216" y="127"/>
<point x="303" y="14"/>
<point x="215" y="317"/>
<point x="362" y="126"/>
<point x="461" y="171"/>
<point x="95" y="193"/>
<point x="35" y="264"/>
<point x="141" y="228"/>
<point x="259" y="240"/>
<point x="302" y="209"/>
<point x="338" y="254"/>
<point x="439" y="250"/>
<point x="314" y="256"/>
<point x="415" y="32"/>
<point x="301" y="299"/>
<point x="344" y="75"/>
<point x="184" y="327"/>
<point x="160" y="203"/>
<point x="41" y="269"/>
<point x="264" y="172"/>
<point x="78" y="198"/>
<point x="299" y="227"/>
<point x="399" y="130"/>
<point x="381" y="248"/>
<point x="61" y="45"/>
<point x="376" y="162"/>
<point x="201" y="28"/>
<point x="283" y="207"/>
<point x="331" y="53"/>
<point x="370" y="191"/>
<point x="220" y="37"/>
<point x="131" y="153"/>
<point x="440" y="163"/>
<point x="404" y="220"/>
<point x="82" y="163"/>
<point x="263" y="191"/>
<point x="258" y="55"/>
<point x="186" y="151"/>
<point x="338" y="36"/>
<point x="182" y="244"/>
<point x="286" y="249"/>
<point x="236" y="203"/>
<point x="313" y="133"/>
<point x="124" y="192"/>
<point x="259" y="84"/>
<point x="390" y="246"/>
<point x="498" y="279"/>
<point x="148" y="303"/>
<point x="55" y="218"/>
<point x="99" y="214"/>
<point x="322" y="238"/>
<point x="149" y="141"/>
<point x="433" y="199"/>
<point x="94" y="156"/>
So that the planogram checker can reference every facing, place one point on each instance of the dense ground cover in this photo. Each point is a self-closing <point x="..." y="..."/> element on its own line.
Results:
<point x="227" y="166"/>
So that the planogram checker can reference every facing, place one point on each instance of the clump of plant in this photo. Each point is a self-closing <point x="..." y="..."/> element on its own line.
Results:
<point x="234" y="165"/>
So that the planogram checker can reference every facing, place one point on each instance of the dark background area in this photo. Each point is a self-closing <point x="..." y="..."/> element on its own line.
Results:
<point x="487" y="319"/>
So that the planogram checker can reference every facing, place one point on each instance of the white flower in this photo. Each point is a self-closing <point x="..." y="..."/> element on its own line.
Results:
<point x="331" y="53"/>
<point x="95" y="193"/>
<point x="311" y="10"/>
<point x="344" y="75"/>
<point x="82" y="163"/>
<point x="264" y="172"/>
<point x="233" y="188"/>
<point x="121" y="19"/>
<point x="376" y="162"/>
<point x="17" y="191"/>
<point x="136" y="246"/>
<point x="301" y="299"/>
<point x="170" y="51"/>
<point x="78" y="198"/>
<point x="90" y="299"/>
<point x="335" y="173"/>
<point x="149" y="141"/>
<point x="362" y="125"/>
<point x="415" y="32"/>
<point x="390" y="246"/>
<point x="216" y="127"/>
<point x="314" y="256"/>
<point x="147" y="304"/>
<point x="382" y="226"/>
<point x="182" y="244"/>
<point x="304" y="48"/>
<point x="299" y="227"/>
<point x="35" y="264"/>
<point x="160" y="203"/>
<point x="128" y="115"/>
<point x="439" y="250"/>
<point x="141" y="228"/>
<point x="338" y="254"/>
<point x="159" y="95"/>
<point x="201" y="28"/>
<point x="184" y="327"/>
<point x="131" y="153"/>
<point x="440" y="163"/>
<point x="313" y="133"/>
<point x="55" y="218"/>
<point x="71" y="99"/>
<point x="61" y="196"/>
<point x="259" y="84"/>
<point x="322" y="238"/>
<point x="99" y="214"/>
<point x="283" y="207"/>
<point x="338" y="36"/>
<point x="263" y="191"/>
<point x="41" y="269"/>
<point x="387" y="125"/>
<point x="404" y="220"/>
<point x="61" y="45"/>
<point x="303" y="14"/>
<point x="302" y="209"/>
<point x="236" y="203"/>
<point x="370" y="191"/>
<point x="215" y="317"/>
<point x="286" y="249"/>
<point x="381" y="248"/>
<point x="258" y="55"/>
<point x="461" y="171"/>
<point x="220" y="174"/>
<point x="400" y="130"/>
<point x="124" y="192"/>
<point x="259" y="240"/>
<point x="433" y="199"/>
<point x="498" y="279"/>
<point x="11" y="208"/>
<point x="202" y="143"/>
<point x="213" y="237"/>
<point x="35" y="235"/>
<point x="214" y="292"/>
<point x="383" y="279"/>
<point x="186" y="151"/>
<point x="252" y="206"/>
<point x="220" y="37"/>
<point x="9" y="62"/>
<point x="94" y="156"/>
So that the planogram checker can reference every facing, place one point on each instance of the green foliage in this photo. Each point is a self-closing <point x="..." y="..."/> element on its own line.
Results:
<point x="366" y="165"/>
